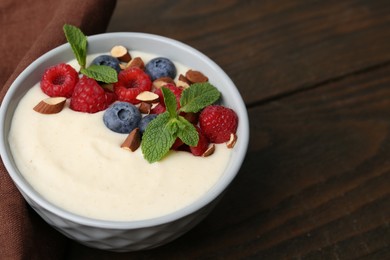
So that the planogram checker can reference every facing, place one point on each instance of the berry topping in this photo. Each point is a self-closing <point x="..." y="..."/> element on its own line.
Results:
<point x="88" y="96"/>
<point x="131" y="82"/>
<point x="176" y="91"/>
<point x="110" y="97"/>
<point x="218" y="122"/>
<point x="202" y="145"/>
<point x="178" y="144"/>
<point x="160" y="67"/>
<point x="122" y="117"/>
<point x="107" y="60"/>
<point x="59" y="80"/>
<point x="160" y="108"/>
<point x="145" y="121"/>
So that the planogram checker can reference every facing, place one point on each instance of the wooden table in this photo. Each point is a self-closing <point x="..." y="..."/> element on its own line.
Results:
<point x="315" y="76"/>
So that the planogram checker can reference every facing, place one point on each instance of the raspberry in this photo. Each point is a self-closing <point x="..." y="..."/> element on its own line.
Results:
<point x="177" y="144"/>
<point x="131" y="82"/>
<point x="160" y="108"/>
<point x="111" y="97"/>
<point x="59" y="80"/>
<point x="175" y="90"/>
<point x="202" y="145"/>
<point x="218" y="122"/>
<point x="88" y="96"/>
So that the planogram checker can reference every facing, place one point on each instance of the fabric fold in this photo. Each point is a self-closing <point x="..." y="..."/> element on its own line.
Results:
<point x="23" y="234"/>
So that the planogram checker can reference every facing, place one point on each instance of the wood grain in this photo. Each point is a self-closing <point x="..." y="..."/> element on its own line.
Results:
<point x="269" y="48"/>
<point x="315" y="76"/>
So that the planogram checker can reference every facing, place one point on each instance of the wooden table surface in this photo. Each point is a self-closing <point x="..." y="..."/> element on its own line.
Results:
<point x="315" y="76"/>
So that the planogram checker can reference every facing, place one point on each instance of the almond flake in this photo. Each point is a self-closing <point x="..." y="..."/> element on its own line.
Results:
<point x="148" y="97"/>
<point x="160" y="82"/>
<point x="183" y="82"/>
<point x="209" y="151"/>
<point x="121" y="53"/>
<point x="195" y="76"/>
<point x="232" y="141"/>
<point x="136" y="62"/>
<point x="145" y="108"/>
<point x="52" y="105"/>
<point x="133" y="140"/>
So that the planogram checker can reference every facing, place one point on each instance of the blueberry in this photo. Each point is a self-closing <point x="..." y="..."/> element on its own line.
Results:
<point x="108" y="61"/>
<point x="160" y="67"/>
<point x="145" y="122"/>
<point x="122" y="117"/>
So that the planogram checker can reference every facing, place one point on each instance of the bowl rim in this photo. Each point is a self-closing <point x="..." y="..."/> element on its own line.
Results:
<point x="201" y="202"/>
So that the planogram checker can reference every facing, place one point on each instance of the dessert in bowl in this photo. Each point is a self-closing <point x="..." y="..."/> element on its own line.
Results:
<point x="118" y="225"/>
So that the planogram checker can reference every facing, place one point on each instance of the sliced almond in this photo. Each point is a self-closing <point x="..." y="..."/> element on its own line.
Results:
<point x="145" y="108"/>
<point x="209" y="151"/>
<point x="132" y="141"/>
<point x="158" y="83"/>
<point x="52" y="105"/>
<point x="183" y="82"/>
<point x="121" y="53"/>
<point x="232" y="141"/>
<point x="184" y="78"/>
<point x="148" y="97"/>
<point x="195" y="76"/>
<point x="136" y="62"/>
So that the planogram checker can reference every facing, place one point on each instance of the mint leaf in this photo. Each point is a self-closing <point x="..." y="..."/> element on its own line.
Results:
<point x="162" y="132"/>
<point x="157" y="139"/>
<point x="170" y="101"/>
<point x="173" y="126"/>
<point x="101" y="73"/>
<point x="198" y="96"/>
<point x="187" y="132"/>
<point x="78" y="43"/>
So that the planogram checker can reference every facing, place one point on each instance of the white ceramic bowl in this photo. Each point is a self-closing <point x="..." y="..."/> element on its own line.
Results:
<point x="126" y="235"/>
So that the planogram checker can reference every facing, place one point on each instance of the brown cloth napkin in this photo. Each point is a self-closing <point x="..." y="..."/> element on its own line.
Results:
<point x="27" y="30"/>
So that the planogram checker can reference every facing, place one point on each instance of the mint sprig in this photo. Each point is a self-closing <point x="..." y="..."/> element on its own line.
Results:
<point x="78" y="42"/>
<point x="170" y="102"/>
<point x="187" y="133"/>
<point x="198" y="96"/>
<point x="101" y="73"/>
<point x="162" y="132"/>
<point x="157" y="139"/>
